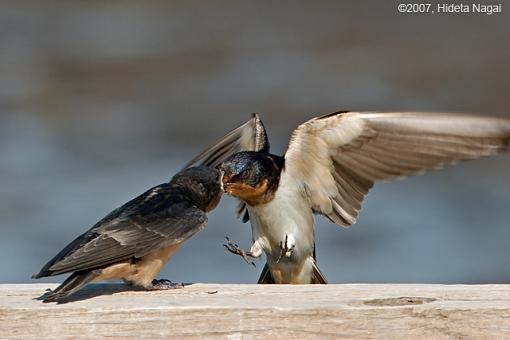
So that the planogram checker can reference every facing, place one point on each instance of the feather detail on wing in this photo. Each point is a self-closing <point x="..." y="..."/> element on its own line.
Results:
<point x="251" y="136"/>
<point x="336" y="159"/>
<point x="142" y="225"/>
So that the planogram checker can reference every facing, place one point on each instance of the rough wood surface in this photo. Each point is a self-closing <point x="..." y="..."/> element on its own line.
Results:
<point x="260" y="311"/>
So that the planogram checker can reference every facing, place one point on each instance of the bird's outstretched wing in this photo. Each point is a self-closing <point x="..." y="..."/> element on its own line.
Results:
<point x="251" y="136"/>
<point x="155" y="219"/>
<point x="336" y="159"/>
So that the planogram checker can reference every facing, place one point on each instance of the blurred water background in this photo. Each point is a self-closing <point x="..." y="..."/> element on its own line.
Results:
<point x="100" y="100"/>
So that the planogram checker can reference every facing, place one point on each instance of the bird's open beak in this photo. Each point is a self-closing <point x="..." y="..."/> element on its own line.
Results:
<point x="225" y="184"/>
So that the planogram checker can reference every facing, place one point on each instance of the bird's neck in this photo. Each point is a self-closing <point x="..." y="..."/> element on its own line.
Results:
<point x="265" y="191"/>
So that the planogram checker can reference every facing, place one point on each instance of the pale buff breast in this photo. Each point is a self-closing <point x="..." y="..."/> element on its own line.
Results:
<point x="140" y="272"/>
<point x="287" y="214"/>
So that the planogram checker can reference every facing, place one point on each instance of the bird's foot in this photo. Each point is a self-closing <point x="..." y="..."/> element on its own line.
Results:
<point x="234" y="249"/>
<point x="164" y="284"/>
<point x="286" y="248"/>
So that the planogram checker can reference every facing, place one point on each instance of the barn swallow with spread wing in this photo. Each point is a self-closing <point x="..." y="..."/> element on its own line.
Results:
<point x="135" y="241"/>
<point x="331" y="163"/>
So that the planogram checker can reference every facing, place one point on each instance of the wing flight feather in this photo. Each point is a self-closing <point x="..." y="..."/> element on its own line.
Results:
<point x="337" y="158"/>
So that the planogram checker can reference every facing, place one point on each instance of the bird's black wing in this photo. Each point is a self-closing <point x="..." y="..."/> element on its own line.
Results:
<point x="159" y="217"/>
<point x="251" y="136"/>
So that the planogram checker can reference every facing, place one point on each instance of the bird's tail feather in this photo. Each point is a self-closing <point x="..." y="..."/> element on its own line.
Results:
<point x="71" y="285"/>
<point x="265" y="277"/>
<point x="317" y="276"/>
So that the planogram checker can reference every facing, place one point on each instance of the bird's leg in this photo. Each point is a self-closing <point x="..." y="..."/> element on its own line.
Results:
<point x="286" y="247"/>
<point x="254" y="252"/>
<point x="164" y="284"/>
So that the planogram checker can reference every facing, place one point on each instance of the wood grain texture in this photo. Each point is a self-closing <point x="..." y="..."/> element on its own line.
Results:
<point x="396" y="311"/>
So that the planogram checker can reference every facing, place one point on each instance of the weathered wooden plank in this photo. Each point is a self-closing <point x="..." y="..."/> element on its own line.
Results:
<point x="260" y="311"/>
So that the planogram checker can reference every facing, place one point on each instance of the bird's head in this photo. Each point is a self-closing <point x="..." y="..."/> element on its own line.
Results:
<point x="251" y="176"/>
<point x="202" y="184"/>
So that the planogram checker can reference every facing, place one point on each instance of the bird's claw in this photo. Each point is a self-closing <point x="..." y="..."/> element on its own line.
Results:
<point x="286" y="251"/>
<point x="164" y="284"/>
<point x="234" y="249"/>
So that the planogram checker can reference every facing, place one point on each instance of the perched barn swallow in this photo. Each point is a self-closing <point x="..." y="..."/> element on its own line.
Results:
<point x="330" y="165"/>
<point x="134" y="241"/>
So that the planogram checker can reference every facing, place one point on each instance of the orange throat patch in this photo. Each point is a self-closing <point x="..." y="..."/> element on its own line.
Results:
<point x="214" y="202"/>
<point x="251" y="195"/>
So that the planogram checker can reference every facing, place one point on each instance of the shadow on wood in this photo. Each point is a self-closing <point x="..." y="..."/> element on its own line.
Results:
<point x="395" y="311"/>
<point x="97" y="289"/>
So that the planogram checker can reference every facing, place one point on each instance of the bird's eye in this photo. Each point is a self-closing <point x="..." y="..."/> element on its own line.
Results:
<point x="244" y="174"/>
